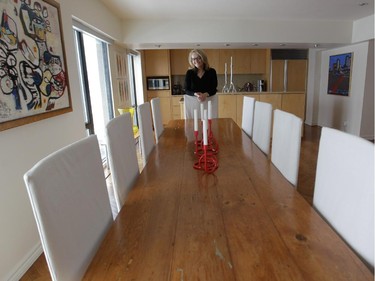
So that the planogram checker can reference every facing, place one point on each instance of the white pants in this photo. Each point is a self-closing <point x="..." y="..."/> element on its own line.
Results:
<point x="191" y="103"/>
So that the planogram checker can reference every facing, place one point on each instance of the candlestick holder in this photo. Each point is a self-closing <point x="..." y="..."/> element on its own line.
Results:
<point x="207" y="161"/>
<point x="198" y="144"/>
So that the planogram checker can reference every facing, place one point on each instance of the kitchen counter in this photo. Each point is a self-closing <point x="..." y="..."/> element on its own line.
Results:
<point x="258" y="93"/>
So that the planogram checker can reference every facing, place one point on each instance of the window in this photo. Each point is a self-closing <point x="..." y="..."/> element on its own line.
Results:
<point x="95" y="79"/>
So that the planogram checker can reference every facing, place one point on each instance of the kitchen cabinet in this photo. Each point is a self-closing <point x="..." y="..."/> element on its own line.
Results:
<point x="165" y="103"/>
<point x="278" y="74"/>
<point x="177" y="107"/>
<point x="179" y="61"/>
<point x="258" y="61"/>
<point x="289" y="75"/>
<point x="245" y="61"/>
<point x="157" y="63"/>
<point x="227" y="106"/>
<point x="240" y="61"/>
<point x="274" y="99"/>
<point x="213" y="59"/>
<point x="294" y="103"/>
<point x="296" y="75"/>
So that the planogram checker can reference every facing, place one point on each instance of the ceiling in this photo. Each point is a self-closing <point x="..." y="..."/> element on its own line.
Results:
<point x="262" y="10"/>
<point x="242" y="9"/>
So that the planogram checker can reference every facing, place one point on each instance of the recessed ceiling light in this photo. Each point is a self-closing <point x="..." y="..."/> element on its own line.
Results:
<point x="363" y="4"/>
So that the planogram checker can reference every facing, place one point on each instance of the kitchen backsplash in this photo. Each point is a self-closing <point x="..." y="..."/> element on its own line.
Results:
<point x="239" y="80"/>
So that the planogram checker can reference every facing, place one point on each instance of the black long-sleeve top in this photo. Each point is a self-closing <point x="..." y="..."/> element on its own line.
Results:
<point x="206" y="84"/>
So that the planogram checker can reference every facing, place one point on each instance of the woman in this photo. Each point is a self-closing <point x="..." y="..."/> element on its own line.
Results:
<point x="200" y="85"/>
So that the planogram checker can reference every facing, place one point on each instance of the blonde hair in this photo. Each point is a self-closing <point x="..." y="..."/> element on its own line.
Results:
<point x="202" y="55"/>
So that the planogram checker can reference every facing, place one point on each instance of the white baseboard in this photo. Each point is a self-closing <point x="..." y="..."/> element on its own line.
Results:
<point x="26" y="263"/>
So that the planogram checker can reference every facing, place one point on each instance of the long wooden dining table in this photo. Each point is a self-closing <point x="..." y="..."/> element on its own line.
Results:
<point x="245" y="221"/>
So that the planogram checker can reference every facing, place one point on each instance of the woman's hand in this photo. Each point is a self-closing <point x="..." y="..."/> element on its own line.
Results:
<point x="201" y="96"/>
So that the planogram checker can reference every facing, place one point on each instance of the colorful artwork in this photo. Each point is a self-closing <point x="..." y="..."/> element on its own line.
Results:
<point x="33" y="74"/>
<point x="339" y="74"/>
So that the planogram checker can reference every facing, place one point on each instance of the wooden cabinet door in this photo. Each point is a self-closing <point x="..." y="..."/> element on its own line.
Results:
<point x="165" y="108"/>
<point x="157" y="62"/>
<point x="177" y="108"/>
<point x="179" y="61"/>
<point x="240" y="60"/>
<point x="278" y="69"/>
<point x="274" y="99"/>
<point x="213" y="60"/>
<point x="224" y="58"/>
<point x="258" y="61"/>
<point x="296" y="75"/>
<point x="227" y="106"/>
<point x="295" y="104"/>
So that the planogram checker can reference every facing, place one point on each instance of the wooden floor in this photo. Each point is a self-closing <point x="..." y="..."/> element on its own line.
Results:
<point x="306" y="179"/>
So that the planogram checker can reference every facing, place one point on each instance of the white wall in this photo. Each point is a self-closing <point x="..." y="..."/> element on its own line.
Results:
<point x="358" y="108"/>
<point x="363" y="29"/>
<point x="340" y="112"/>
<point x="23" y="146"/>
<point x="367" y="124"/>
<point x="312" y="89"/>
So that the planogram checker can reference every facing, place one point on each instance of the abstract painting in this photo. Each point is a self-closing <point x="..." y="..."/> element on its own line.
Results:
<point x="33" y="74"/>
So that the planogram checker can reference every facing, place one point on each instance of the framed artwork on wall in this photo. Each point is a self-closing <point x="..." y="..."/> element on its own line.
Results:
<point x="339" y="75"/>
<point x="33" y="74"/>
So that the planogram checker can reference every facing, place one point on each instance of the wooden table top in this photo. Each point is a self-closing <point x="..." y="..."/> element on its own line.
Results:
<point x="243" y="222"/>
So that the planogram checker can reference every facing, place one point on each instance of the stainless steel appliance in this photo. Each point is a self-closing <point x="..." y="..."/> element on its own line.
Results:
<point x="158" y="83"/>
<point x="261" y="85"/>
<point x="177" y="89"/>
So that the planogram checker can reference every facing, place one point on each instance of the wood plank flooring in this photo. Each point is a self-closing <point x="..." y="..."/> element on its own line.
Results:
<point x="306" y="180"/>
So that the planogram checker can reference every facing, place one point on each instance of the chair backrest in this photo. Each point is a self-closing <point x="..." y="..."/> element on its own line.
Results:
<point x="286" y="144"/>
<point x="262" y="126"/>
<point x="69" y="198"/>
<point x="248" y="115"/>
<point x="145" y="130"/>
<point x="344" y="188"/>
<point x="122" y="156"/>
<point x="156" y="117"/>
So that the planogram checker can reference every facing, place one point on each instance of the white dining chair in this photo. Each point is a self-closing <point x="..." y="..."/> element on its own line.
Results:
<point x="344" y="188"/>
<point x="145" y="130"/>
<point x="262" y="125"/>
<point x="248" y="115"/>
<point x="122" y="156"/>
<point x="157" y="118"/>
<point x="286" y="144"/>
<point x="69" y="198"/>
<point x="191" y="103"/>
